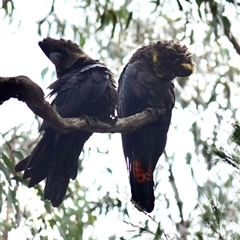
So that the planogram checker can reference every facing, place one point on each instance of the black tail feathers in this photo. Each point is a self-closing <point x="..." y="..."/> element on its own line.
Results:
<point x="55" y="158"/>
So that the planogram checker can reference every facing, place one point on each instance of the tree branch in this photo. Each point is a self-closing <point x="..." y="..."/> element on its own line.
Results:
<point x="232" y="39"/>
<point x="24" y="89"/>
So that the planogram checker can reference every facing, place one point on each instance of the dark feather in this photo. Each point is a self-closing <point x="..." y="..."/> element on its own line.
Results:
<point x="146" y="81"/>
<point x="84" y="87"/>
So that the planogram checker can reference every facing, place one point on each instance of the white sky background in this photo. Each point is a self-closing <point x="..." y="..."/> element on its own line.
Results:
<point x="20" y="55"/>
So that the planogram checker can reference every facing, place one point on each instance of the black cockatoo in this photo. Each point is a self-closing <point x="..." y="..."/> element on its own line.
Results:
<point x="84" y="86"/>
<point x="146" y="81"/>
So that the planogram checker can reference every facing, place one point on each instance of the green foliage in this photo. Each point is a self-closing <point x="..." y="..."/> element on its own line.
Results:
<point x="69" y="220"/>
<point x="194" y="190"/>
<point x="8" y="7"/>
<point x="232" y="159"/>
<point x="219" y="215"/>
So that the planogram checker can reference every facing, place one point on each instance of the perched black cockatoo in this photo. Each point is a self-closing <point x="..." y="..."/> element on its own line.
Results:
<point x="84" y="86"/>
<point x="146" y="81"/>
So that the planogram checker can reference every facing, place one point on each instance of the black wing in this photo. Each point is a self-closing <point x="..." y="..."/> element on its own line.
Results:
<point x="56" y="155"/>
<point x="139" y="88"/>
<point x="77" y="91"/>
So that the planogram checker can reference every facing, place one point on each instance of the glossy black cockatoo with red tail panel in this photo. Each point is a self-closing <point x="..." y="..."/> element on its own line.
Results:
<point x="84" y="86"/>
<point x="146" y="81"/>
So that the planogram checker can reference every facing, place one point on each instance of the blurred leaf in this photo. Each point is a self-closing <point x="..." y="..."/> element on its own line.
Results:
<point x="109" y="170"/>
<point x="7" y="162"/>
<point x="44" y="71"/>
<point x="179" y="5"/>
<point x="18" y="154"/>
<point x="129" y="20"/>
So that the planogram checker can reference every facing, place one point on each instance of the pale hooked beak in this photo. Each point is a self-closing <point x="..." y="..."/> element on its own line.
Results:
<point x="189" y="67"/>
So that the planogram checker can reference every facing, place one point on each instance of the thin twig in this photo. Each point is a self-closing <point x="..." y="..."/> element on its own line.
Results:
<point x="176" y="193"/>
<point x="232" y="39"/>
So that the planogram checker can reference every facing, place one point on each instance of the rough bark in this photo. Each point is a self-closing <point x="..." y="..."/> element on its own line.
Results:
<point x="24" y="89"/>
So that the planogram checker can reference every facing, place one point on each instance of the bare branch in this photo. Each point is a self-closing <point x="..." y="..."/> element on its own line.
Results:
<point x="24" y="89"/>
